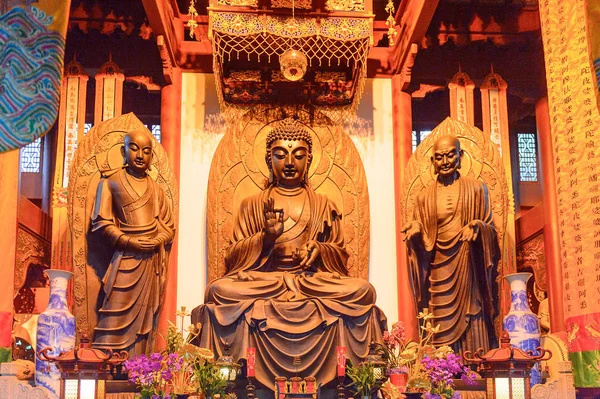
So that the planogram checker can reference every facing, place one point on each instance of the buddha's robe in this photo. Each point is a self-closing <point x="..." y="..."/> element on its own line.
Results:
<point x="282" y="309"/>
<point x="456" y="278"/>
<point x="134" y="281"/>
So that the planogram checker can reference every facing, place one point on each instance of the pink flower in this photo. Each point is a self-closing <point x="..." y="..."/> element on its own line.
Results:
<point x="389" y="340"/>
<point x="399" y="332"/>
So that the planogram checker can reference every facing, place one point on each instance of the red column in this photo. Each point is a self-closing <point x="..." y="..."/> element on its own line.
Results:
<point x="402" y="126"/>
<point x="170" y="126"/>
<point x="551" y="233"/>
<point x="9" y="204"/>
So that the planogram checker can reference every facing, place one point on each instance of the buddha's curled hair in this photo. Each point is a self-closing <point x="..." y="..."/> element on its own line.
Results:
<point x="289" y="129"/>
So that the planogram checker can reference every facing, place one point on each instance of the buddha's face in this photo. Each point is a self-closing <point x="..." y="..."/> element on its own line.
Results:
<point x="446" y="156"/>
<point x="289" y="160"/>
<point x="137" y="151"/>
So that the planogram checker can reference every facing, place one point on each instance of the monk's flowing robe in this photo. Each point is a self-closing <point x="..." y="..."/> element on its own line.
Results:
<point x="134" y="281"/>
<point x="284" y="310"/>
<point x="453" y="278"/>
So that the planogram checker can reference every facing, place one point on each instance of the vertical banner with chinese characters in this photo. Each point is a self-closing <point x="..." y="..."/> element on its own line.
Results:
<point x="461" y="98"/>
<point x="71" y="119"/>
<point x="109" y="92"/>
<point x="575" y="123"/>
<point x="495" y="123"/>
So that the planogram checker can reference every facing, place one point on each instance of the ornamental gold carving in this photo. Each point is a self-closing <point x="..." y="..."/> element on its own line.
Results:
<point x="238" y="3"/>
<point x="344" y="5"/>
<point x="31" y="249"/>
<point x="245" y="76"/>
<point x="531" y="255"/>
<point x="299" y="4"/>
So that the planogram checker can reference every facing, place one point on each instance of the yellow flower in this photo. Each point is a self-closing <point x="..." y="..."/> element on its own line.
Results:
<point x="206" y="353"/>
<point x="408" y="355"/>
<point x="430" y="328"/>
<point x="425" y="315"/>
<point x="443" y="351"/>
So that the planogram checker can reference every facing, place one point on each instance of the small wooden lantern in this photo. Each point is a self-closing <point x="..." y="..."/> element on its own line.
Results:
<point x="228" y="368"/>
<point x="506" y="369"/>
<point x="84" y="370"/>
<point x="374" y="359"/>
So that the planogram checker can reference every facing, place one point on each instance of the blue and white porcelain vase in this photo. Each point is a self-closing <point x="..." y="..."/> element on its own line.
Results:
<point x="521" y="323"/>
<point x="55" y="329"/>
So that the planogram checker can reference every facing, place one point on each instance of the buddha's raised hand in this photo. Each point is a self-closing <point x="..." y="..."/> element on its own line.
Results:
<point x="273" y="222"/>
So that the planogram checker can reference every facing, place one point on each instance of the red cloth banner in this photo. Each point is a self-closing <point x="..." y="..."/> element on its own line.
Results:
<point x="251" y="360"/>
<point x="341" y="361"/>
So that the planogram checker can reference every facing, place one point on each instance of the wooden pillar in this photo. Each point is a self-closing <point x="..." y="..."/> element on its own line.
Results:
<point x="402" y="127"/>
<point x="170" y="127"/>
<point x="9" y="199"/>
<point x="551" y="232"/>
<point x="71" y="120"/>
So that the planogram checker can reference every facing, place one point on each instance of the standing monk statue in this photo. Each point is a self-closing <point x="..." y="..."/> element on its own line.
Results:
<point x="286" y="290"/>
<point x="453" y="253"/>
<point x="131" y="214"/>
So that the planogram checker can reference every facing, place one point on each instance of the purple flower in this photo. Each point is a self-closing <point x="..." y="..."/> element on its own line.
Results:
<point x="152" y="373"/>
<point x="440" y="372"/>
<point x="469" y="377"/>
<point x="174" y="362"/>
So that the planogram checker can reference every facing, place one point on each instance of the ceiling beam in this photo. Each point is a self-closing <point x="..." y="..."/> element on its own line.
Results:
<point x="412" y="20"/>
<point x="163" y="16"/>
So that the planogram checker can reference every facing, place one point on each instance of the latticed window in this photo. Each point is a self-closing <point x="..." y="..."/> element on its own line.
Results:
<point x="86" y="127"/>
<point x="30" y="157"/>
<point x="156" y="132"/>
<point x="527" y="157"/>
<point x="418" y="138"/>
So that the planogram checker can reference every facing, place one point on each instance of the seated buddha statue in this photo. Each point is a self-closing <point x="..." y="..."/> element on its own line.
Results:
<point x="286" y="290"/>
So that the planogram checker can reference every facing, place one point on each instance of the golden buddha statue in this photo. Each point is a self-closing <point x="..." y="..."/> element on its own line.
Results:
<point x="286" y="290"/>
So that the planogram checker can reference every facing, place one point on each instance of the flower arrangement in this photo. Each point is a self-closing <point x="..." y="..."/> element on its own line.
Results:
<point x="211" y="382"/>
<point x="405" y="355"/>
<point x="153" y="373"/>
<point x="182" y="368"/>
<point x="441" y="369"/>
<point x="363" y="378"/>
<point x="198" y="373"/>
<point x="184" y="380"/>
<point x="430" y="370"/>
<point x="395" y="346"/>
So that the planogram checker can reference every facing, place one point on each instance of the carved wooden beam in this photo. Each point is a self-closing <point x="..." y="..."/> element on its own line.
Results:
<point x="164" y="19"/>
<point x="412" y="19"/>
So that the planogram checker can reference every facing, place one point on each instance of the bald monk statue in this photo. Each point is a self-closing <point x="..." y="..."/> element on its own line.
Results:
<point x="286" y="291"/>
<point x="131" y="215"/>
<point x="453" y="253"/>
